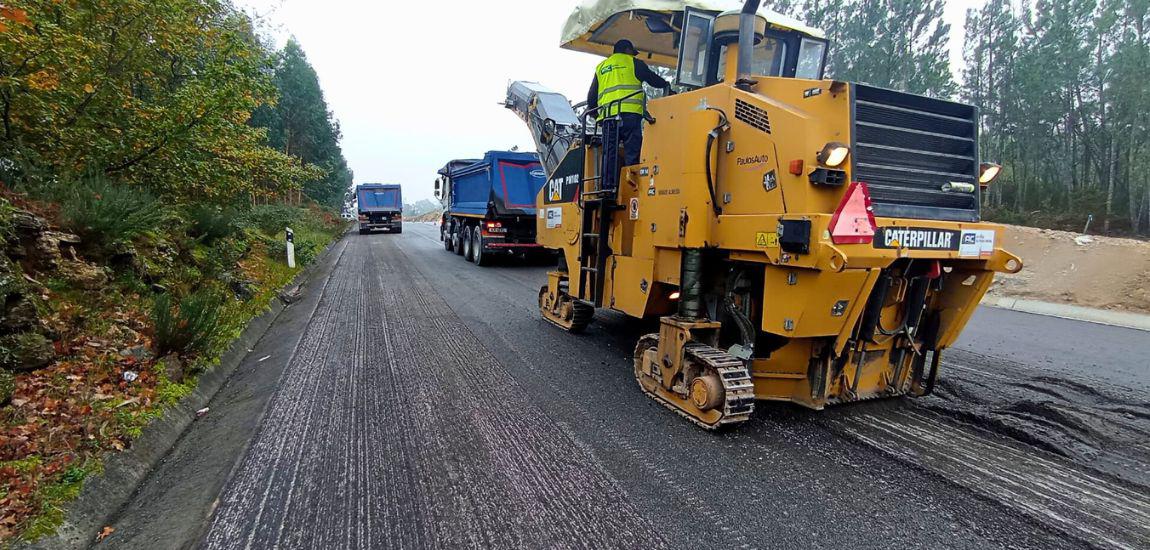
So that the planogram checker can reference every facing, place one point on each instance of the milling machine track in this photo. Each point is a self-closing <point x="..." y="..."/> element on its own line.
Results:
<point x="738" y="389"/>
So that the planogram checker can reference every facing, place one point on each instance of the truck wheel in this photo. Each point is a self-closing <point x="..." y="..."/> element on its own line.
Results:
<point x="480" y="258"/>
<point x="457" y="241"/>
<point x="468" y="244"/>
<point x="446" y="237"/>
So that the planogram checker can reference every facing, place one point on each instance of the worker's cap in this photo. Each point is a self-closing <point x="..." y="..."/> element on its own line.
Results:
<point x="625" y="46"/>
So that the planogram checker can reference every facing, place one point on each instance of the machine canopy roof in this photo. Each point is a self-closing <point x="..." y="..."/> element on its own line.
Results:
<point x="595" y="25"/>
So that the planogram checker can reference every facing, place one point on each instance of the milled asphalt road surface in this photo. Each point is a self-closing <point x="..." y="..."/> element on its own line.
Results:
<point x="424" y="404"/>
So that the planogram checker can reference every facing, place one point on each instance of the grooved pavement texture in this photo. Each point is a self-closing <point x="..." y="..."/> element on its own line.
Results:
<point x="393" y="427"/>
<point x="428" y="406"/>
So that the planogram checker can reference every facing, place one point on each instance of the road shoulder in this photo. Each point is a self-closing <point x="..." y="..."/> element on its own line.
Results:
<point x="1068" y="311"/>
<point x="124" y="495"/>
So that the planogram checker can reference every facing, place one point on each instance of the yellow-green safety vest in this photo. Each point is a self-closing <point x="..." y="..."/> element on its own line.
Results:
<point x="617" y="80"/>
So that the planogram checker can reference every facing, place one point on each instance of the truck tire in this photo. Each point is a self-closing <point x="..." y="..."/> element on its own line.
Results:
<point x="468" y="244"/>
<point x="480" y="259"/>
<point x="457" y="240"/>
<point x="445" y="236"/>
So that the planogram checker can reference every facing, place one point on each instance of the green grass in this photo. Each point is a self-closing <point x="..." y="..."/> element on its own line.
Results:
<point x="54" y="496"/>
<point x="169" y="393"/>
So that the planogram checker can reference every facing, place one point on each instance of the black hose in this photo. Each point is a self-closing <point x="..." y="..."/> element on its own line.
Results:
<point x="711" y="137"/>
<point x="742" y="320"/>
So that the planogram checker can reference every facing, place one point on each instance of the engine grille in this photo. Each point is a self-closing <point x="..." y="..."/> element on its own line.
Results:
<point x="752" y="115"/>
<point x="907" y="147"/>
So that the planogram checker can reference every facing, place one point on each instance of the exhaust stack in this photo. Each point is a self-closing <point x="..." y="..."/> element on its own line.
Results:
<point x="746" y="59"/>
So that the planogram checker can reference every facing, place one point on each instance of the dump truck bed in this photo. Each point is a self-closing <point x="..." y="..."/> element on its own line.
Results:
<point x="380" y="207"/>
<point x="502" y="183"/>
<point x="379" y="197"/>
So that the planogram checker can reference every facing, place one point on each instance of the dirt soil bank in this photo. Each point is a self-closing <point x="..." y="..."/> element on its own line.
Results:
<point x="1065" y="267"/>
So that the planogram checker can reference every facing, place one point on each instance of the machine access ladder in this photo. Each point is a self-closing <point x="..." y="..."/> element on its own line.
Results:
<point x="558" y="130"/>
<point x="598" y="201"/>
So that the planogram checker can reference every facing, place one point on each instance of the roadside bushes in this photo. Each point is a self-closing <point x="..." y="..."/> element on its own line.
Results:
<point x="208" y="223"/>
<point x="307" y="247"/>
<point x="312" y="229"/>
<point x="191" y="326"/>
<point x="271" y="219"/>
<point x="104" y="213"/>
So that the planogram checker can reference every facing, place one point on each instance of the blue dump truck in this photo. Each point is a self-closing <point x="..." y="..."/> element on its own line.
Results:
<point x="489" y="205"/>
<point x="380" y="207"/>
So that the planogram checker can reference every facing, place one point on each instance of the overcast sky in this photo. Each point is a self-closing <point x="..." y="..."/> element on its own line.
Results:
<point x="412" y="93"/>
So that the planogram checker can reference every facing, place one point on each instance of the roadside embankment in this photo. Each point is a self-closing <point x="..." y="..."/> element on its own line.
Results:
<point x="117" y="305"/>
<point x="1061" y="267"/>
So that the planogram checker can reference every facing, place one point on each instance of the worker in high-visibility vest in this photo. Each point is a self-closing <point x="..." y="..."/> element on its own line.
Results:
<point x="618" y="88"/>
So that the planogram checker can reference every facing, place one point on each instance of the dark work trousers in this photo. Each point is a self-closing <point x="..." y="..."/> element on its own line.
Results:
<point x="631" y="136"/>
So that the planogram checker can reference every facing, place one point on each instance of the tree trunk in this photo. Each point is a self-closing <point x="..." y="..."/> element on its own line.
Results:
<point x="1144" y="210"/>
<point x="1131" y="191"/>
<point x="1112" y="157"/>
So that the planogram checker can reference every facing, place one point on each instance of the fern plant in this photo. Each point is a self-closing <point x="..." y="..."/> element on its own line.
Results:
<point x="103" y="212"/>
<point x="191" y="326"/>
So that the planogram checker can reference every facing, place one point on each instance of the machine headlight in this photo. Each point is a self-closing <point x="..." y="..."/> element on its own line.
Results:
<point x="987" y="172"/>
<point x="834" y="154"/>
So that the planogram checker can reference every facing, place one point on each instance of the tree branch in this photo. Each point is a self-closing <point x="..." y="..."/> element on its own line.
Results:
<point x="157" y="147"/>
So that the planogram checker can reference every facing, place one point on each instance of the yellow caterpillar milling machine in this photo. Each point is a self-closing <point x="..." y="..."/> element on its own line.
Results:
<point x="800" y="239"/>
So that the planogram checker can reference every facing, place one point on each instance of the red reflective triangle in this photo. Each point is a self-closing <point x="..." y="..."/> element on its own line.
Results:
<point x="853" y="221"/>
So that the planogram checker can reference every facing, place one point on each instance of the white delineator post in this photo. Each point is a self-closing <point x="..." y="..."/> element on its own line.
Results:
<point x="290" y="236"/>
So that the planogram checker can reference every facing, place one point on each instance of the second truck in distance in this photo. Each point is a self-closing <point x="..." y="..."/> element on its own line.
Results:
<point x="380" y="206"/>
<point x="489" y="205"/>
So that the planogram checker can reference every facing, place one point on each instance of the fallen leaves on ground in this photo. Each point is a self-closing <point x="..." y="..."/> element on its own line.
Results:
<point x="72" y="412"/>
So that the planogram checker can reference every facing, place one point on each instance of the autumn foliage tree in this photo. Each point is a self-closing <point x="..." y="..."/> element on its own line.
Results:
<point x="152" y="92"/>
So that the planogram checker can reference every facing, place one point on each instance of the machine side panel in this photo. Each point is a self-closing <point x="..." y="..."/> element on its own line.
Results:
<point x="804" y="303"/>
<point x="558" y="217"/>
<point x="630" y="284"/>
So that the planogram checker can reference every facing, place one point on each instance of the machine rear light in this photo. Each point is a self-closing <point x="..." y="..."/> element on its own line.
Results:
<point x="674" y="295"/>
<point x="935" y="270"/>
<point x="987" y="172"/>
<point x="491" y="225"/>
<point x="362" y="218"/>
<point x="796" y="167"/>
<point x="833" y="154"/>
<point x="853" y="221"/>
